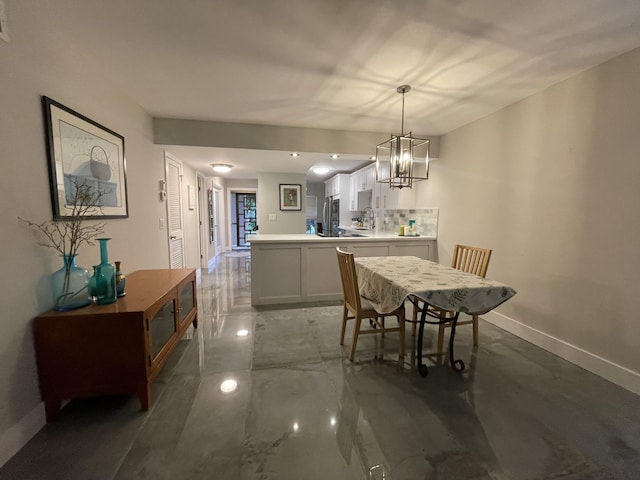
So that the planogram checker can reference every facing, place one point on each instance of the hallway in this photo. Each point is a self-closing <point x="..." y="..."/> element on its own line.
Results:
<point x="301" y="410"/>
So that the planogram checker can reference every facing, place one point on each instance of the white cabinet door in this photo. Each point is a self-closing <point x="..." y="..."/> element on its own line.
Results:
<point x="332" y="187"/>
<point x="393" y="198"/>
<point x="369" y="174"/>
<point x="353" y="191"/>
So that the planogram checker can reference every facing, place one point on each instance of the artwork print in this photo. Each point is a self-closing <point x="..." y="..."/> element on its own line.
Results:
<point x="290" y="197"/>
<point x="83" y="152"/>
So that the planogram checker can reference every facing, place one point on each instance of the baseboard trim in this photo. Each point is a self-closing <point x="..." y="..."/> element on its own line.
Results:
<point x="613" y="372"/>
<point x="16" y="436"/>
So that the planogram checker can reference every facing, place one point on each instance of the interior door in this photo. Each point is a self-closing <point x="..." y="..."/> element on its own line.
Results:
<point x="202" y="221"/>
<point x="173" y="172"/>
<point x="216" y="209"/>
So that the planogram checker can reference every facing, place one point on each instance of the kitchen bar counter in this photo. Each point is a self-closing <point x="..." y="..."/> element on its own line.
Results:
<point x="300" y="268"/>
<point x="368" y="235"/>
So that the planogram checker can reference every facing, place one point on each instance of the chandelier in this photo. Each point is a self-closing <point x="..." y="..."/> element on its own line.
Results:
<point x="402" y="159"/>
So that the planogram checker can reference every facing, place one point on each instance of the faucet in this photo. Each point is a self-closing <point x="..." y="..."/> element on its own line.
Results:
<point x="372" y="216"/>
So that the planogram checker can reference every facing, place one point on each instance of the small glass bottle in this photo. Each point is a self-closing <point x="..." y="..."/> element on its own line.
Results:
<point x="121" y="280"/>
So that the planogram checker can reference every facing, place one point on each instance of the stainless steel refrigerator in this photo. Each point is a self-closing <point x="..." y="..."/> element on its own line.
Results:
<point x="331" y="217"/>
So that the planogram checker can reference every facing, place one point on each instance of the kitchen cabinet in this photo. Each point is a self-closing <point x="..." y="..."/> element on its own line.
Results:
<point x="361" y="185"/>
<point x="337" y="185"/>
<point x="366" y="178"/>
<point x="116" y="348"/>
<point x="328" y="187"/>
<point x="353" y="191"/>
<point x="385" y="198"/>
<point x="304" y="269"/>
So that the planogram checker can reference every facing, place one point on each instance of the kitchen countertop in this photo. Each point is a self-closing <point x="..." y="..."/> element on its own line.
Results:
<point x="302" y="237"/>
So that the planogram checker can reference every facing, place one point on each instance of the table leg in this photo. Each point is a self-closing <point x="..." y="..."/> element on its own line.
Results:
<point x="457" y="365"/>
<point x="422" y="368"/>
<point x="144" y="395"/>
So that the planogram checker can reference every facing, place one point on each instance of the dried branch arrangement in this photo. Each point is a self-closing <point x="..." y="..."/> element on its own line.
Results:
<point x="66" y="236"/>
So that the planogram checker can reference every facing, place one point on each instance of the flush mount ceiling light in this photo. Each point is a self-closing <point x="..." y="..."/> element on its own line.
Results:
<point x="335" y="156"/>
<point x="320" y="170"/>
<point x="221" y="167"/>
<point x="294" y="154"/>
<point x="397" y="161"/>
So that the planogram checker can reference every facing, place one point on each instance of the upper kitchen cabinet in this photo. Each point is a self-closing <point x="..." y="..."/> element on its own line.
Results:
<point x="353" y="191"/>
<point x="393" y="198"/>
<point x="361" y="185"/>
<point x="366" y="178"/>
<point x="337" y="186"/>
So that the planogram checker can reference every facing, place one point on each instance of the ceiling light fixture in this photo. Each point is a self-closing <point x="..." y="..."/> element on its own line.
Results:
<point x="401" y="167"/>
<point x="335" y="156"/>
<point x="320" y="170"/>
<point x="221" y="167"/>
<point x="295" y="154"/>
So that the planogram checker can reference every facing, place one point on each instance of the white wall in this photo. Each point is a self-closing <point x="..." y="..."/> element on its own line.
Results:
<point x="552" y="185"/>
<point x="29" y="69"/>
<point x="317" y="189"/>
<point x="268" y="202"/>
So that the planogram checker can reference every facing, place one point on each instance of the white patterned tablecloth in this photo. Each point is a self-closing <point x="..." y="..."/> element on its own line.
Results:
<point x="387" y="281"/>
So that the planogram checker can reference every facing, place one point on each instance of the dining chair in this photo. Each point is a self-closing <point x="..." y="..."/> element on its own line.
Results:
<point x="468" y="259"/>
<point x="358" y="308"/>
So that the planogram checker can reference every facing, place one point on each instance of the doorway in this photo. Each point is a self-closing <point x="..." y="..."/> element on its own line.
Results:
<point x="244" y="217"/>
<point x="173" y="178"/>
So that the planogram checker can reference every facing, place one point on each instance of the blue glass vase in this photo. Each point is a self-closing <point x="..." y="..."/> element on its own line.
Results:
<point x="103" y="281"/>
<point x="70" y="285"/>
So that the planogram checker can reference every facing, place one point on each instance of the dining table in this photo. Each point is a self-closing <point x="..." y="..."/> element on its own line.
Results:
<point x="387" y="282"/>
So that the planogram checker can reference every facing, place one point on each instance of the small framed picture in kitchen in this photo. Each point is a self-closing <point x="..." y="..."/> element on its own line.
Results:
<point x="82" y="152"/>
<point x="290" y="198"/>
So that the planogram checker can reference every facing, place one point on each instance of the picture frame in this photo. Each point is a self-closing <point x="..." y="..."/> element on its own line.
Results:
<point x="81" y="151"/>
<point x="290" y="196"/>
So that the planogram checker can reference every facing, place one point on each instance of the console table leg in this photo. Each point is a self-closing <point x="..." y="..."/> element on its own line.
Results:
<point x="144" y="395"/>
<point x="51" y="409"/>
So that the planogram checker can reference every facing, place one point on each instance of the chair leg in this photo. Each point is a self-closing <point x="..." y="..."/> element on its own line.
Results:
<point x="345" y="314"/>
<point x="475" y="330"/>
<point x="356" y="331"/>
<point x="401" y="318"/>
<point x="382" y="324"/>
<point x="414" y="317"/>
<point x="441" y="328"/>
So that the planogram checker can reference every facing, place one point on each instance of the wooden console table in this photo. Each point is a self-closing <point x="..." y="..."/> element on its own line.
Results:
<point x="116" y="348"/>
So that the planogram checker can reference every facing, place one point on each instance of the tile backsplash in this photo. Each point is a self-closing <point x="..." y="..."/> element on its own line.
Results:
<point x="426" y="220"/>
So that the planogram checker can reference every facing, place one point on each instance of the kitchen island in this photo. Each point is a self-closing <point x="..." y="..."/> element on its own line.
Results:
<point x="300" y="268"/>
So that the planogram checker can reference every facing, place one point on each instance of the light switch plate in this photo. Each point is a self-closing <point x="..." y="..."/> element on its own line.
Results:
<point x="272" y="217"/>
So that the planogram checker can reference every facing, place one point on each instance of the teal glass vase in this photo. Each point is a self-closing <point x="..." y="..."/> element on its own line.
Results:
<point x="70" y="286"/>
<point x="103" y="281"/>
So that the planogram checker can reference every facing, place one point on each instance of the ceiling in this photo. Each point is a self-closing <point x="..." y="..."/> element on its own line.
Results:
<point x="333" y="64"/>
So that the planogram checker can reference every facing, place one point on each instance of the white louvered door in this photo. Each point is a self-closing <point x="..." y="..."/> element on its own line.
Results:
<point x="173" y="172"/>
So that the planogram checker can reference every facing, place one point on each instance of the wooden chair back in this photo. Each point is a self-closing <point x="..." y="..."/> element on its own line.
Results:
<point x="471" y="259"/>
<point x="349" y="280"/>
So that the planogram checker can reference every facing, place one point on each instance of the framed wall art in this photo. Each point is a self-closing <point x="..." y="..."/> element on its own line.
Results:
<point x="83" y="152"/>
<point x="290" y="197"/>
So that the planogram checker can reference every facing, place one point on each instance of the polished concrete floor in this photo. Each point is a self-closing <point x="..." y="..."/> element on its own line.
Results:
<point x="301" y="410"/>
